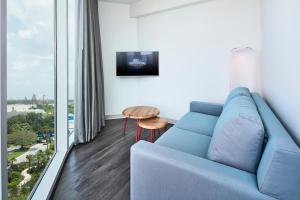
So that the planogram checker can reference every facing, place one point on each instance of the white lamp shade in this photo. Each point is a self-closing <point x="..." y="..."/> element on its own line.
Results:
<point x="244" y="69"/>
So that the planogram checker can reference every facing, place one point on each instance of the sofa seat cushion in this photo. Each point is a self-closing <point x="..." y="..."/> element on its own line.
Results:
<point x="185" y="141"/>
<point x="198" y="122"/>
<point x="238" y="136"/>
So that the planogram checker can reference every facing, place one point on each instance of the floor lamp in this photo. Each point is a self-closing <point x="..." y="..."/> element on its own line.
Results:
<point x="244" y="69"/>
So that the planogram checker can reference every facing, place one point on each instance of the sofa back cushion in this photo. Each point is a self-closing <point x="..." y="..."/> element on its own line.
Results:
<point x="239" y="91"/>
<point x="278" y="174"/>
<point x="238" y="135"/>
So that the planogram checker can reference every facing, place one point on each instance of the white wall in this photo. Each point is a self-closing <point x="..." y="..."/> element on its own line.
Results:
<point x="147" y="7"/>
<point x="194" y="44"/>
<point x="281" y="69"/>
<point x="118" y="33"/>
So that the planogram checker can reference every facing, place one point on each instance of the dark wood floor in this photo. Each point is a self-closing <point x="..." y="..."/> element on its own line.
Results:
<point x="100" y="169"/>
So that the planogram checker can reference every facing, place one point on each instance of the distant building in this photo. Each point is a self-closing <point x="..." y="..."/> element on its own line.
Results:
<point x="44" y="99"/>
<point x="17" y="109"/>
<point x="25" y="100"/>
<point x="34" y="100"/>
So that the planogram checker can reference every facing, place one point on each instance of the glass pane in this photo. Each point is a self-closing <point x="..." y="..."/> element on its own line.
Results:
<point x="31" y="93"/>
<point x="71" y="63"/>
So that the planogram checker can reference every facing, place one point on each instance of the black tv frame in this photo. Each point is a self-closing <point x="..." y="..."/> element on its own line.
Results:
<point x="125" y="73"/>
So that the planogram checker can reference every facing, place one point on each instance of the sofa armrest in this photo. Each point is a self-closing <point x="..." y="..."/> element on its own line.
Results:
<point x="160" y="173"/>
<point x="206" y="108"/>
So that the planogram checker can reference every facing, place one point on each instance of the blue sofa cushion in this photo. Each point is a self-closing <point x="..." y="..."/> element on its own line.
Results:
<point x="239" y="91"/>
<point x="238" y="135"/>
<point x="185" y="141"/>
<point x="278" y="173"/>
<point x="198" y="122"/>
<point x="206" y="108"/>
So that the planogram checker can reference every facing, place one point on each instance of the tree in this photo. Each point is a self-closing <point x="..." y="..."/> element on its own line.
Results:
<point x="47" y="131"/>
<point x="29" y="158"/>
<point x="12" y="161"/>
<point x="20" y="127"/>
<point x="36" y="120"/>
<point x="48" y="153"/>
<point x="13" y="187"/>
<point x="40" y="158"/>
<point x="71" y="108"/>
<point x="14" y="176"/>
<point x="11" y="122"/>
<point x="30" y="121"/>
<point x="22" y="138"/>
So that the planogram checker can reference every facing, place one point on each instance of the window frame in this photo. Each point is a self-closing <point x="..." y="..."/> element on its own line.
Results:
<point x="71" y="137"/>
<point x="3" y="99"/>
<point x="48" y="178"/>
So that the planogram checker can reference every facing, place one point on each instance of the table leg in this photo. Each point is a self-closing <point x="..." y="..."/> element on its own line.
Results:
<point x="125" y="125"/>
<point x="151" y="136"/>
<point x="137" y="131"/>
<point x="140" y="134"/>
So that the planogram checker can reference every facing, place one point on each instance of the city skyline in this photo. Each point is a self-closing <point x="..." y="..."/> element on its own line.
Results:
<point x="30" y="98"/>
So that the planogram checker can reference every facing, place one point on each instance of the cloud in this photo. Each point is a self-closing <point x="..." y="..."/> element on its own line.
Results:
<point x="30" y="48"/>
<point x="28" y="33"/>
<point x="30" y="10"/>
<point x="28" y="62"/>
<point x="15" y="9"/>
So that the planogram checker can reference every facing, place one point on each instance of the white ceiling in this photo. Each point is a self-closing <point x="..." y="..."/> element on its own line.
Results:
<point x="121" y="1"/>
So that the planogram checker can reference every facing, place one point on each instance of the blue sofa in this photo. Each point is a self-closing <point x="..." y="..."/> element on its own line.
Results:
<point x="176" y="166"/>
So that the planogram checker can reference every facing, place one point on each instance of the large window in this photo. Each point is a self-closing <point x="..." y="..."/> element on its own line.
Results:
<point x="33" y="96"/>
<point x="31" y="93"/>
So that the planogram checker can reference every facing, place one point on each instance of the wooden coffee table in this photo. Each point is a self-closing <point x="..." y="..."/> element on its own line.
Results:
<point x="153" y="124"/>
<point x="139" y="113"/>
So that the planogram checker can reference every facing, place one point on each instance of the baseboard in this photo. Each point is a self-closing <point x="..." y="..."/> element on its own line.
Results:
<point x="108" y="117"/>
<point x="170" y="121"/>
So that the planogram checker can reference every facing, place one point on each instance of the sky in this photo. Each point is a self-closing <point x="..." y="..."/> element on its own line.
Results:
<point x="30" y="48"/>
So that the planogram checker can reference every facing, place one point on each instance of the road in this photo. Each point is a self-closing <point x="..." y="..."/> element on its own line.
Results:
<point x="32" y="151"/>
<point x="27" y="177"/>
<point x="13" y="148"/>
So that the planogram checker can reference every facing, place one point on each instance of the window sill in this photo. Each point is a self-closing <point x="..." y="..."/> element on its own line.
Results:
<point x="44" y="189"/>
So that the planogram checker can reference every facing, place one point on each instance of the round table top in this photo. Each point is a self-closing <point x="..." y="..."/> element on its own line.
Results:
<point x="153" y="123"/>
<point x="141" y="112"/>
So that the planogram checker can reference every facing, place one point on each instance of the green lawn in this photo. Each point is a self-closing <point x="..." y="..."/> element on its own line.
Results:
<point x="15" y="154"/>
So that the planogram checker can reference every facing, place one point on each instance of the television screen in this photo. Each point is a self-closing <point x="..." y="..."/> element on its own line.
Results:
<point x="137" y="63"/>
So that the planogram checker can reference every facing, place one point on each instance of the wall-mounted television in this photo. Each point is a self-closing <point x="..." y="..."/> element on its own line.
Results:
<point x="142" y="63"/>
